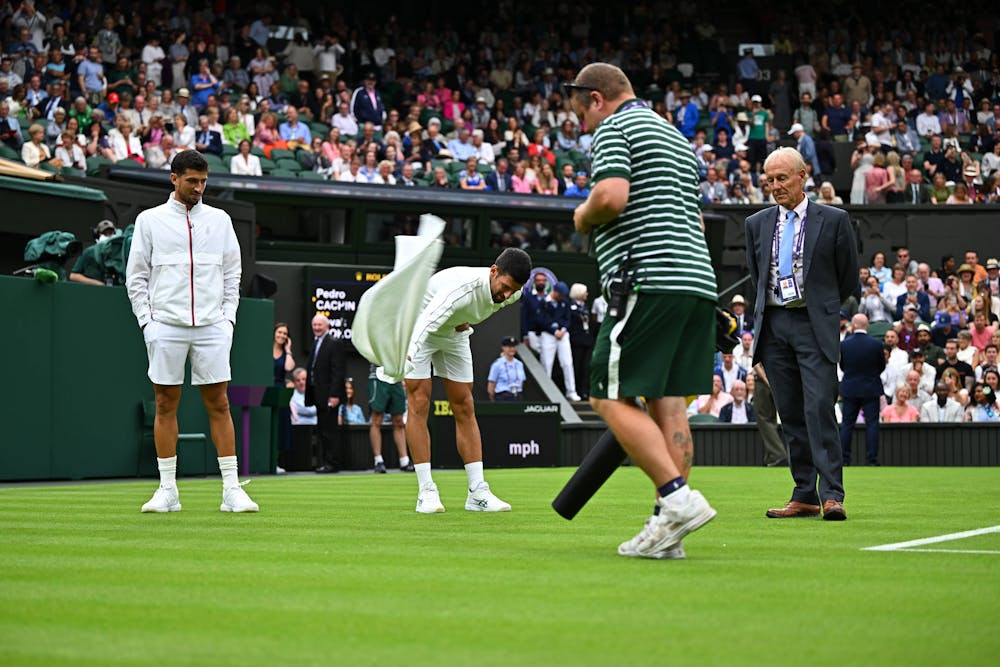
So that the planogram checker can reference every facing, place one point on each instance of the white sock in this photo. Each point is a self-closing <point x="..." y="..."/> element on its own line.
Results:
<point x="679" y="497"/>
<point x="168" y="471"/>
<point x="230" y="472"/>
<point x="475" y="473"/>
<point x="404" y="461"/>
<point x="378" y="459"/>
<point x="423" y="474"/>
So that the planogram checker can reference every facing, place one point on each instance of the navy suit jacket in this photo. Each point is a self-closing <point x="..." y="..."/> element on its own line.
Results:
<point x="741" y="375"/>
<point x="214" y="145"/>
<point x="862" y="360"/>
<point x="493" y="182"/>
<point x="923" y="302"/>
<point x="829" y="272"/>
<point x="364" y="112"/>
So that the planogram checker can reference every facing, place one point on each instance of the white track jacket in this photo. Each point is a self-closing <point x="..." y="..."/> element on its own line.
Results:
<point x="184" y="266"/>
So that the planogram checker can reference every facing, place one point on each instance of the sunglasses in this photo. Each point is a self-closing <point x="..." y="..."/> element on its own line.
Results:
<point x="572" y="87"/>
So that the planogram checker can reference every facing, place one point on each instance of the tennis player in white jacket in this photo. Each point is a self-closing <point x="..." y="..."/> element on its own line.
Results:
<point x="456" y="299"/>
<point x="183" y="279"/>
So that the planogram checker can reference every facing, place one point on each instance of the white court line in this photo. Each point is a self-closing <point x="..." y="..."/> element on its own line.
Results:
<point x="897" y="546"/>
<point x="949" y="551"/>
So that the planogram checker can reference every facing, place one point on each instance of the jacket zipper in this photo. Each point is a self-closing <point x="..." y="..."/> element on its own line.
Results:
<point x="187" y="215"/>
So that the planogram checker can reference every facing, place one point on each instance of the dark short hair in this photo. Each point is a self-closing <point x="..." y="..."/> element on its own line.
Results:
<point x="189" y="159"/>
<point x="513" y="262"/>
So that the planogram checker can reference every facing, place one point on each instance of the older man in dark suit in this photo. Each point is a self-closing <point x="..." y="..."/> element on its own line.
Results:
<point x="325" y="389"/>
<point x="803" y="263"/>
<point x="862" y="360"/>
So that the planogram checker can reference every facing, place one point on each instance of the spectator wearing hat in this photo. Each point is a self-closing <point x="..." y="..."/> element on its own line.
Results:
<point x="686" y="115"/>
<point x="807" y="147"/>
<point x="184" y="107"/>
<point x="88" y="269"/>
<point x="579" y="187"/>
<point x="760" y="129"/>
<point x="555" y="337"/>
<point x="506" y="378"/>
<point x="906" y="328"/>
<point x="943" y="328"/>
<point x="932" y="353"/>
<point x="741" y="131"/>
<point x="915" y="297"/>
<point x="110" y="107"/>
<point x="992" y="279"/>
<point x="366" y="103"/>
<point x="738" y="307"/>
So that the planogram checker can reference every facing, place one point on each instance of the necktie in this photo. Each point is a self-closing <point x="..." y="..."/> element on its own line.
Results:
<point x="916" y="194"/>
<point x="787" y="247"/>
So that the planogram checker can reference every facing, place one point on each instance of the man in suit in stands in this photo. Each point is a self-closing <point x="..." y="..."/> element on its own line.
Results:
<point x="738" y="307"/>
<point x="739" y="411"/>
<point x="913" y="295"/>
<point x="803" y="263"/>
<point x="207" y="141"/>
<point x="325" y="389"/>
<point x="500" y="180"/>
<point x="56" y="100"/>
<point x="862" y="360"/>
<point x="367" y="105"/>
<point x="916" y="192"/>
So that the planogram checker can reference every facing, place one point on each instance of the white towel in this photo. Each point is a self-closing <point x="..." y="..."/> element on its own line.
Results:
<point x="388" y="311"/>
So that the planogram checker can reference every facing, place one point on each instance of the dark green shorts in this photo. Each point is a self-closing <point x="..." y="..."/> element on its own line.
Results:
<point x="663" y="345"/>
<point x="386" y="398"/>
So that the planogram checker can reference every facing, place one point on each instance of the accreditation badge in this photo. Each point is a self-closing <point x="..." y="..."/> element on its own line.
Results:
<point x="788" y="290"/>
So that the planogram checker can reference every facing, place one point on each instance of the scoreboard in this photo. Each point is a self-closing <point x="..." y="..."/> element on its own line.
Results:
<point x="335" y="291"/>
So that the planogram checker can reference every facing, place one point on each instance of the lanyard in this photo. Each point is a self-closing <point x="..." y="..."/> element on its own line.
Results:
<point x="797" y="251"/>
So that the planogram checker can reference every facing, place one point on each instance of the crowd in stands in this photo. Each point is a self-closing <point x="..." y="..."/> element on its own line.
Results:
<point x="402" y="103"/>
<point x="937" y="326"/>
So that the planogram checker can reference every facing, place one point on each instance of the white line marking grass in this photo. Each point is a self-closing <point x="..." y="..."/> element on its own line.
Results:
<point x="906" y="546"/>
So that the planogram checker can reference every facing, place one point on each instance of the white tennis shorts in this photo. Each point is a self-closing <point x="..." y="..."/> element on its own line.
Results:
<point x="169" y="346"/>
<point x="450" y="356"/>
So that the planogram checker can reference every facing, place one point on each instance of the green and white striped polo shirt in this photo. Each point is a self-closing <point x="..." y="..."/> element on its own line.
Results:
<point x="660" y="229"/>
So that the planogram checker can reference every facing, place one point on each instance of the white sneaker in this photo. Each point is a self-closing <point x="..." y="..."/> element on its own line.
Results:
<point x="481" y="499"/>
<point x="675" y="552"/>
<point x="165" y="499"/>
<point x="573" y="396"/>
<point x="428" y="500"/>
<point x="235" y="499"/>
<point x="666" y="529"/>
<point x="278" y="470"/>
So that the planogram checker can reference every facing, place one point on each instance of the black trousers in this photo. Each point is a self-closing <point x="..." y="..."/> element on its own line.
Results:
<point x="330" y="437"/>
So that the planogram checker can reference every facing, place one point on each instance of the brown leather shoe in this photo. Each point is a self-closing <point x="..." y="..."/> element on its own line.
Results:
<point x="794" y="510"/>
<point x="833" y="511"/>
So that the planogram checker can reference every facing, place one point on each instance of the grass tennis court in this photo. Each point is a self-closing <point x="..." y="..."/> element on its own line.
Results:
<point x="339" y="570"/>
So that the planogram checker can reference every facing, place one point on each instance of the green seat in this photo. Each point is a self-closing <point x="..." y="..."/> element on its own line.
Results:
<point x="304" y="157"/>
<point x="484" y="169"/>
<point x="279" y="153"/>
<point x="70" y="171"/>
<point x="703" y="419"/>
<point x="95" y="163"/>
<point x="25" y="123"/>
<point x="230" y="150"/>
<point x="311" y="175"/>
<point x="455" y="167"/>
<point x="319" y="129"/>
<point x="8" y="153"/>
<point x="267" y="165"/>
<point x="283" y="173"/>
<point x="288" y="164"/>
<point x="45" y="166"/>
<point x="258" y="151"/>
<point x="212" y="160"/>
<point x="878" y="329"/>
